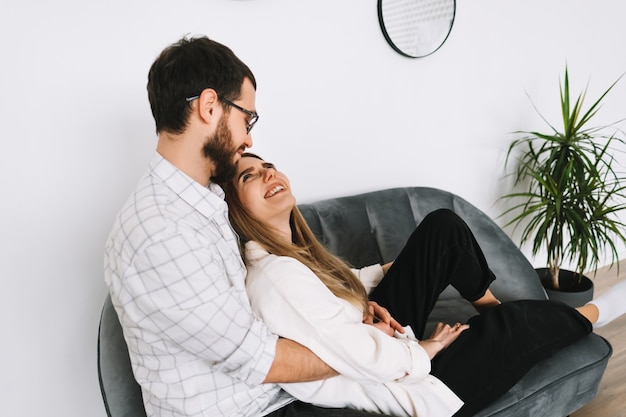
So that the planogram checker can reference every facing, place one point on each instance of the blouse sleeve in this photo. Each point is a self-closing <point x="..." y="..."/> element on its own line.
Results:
<point x="296" y="305"/>
<point x="370" y="276"/>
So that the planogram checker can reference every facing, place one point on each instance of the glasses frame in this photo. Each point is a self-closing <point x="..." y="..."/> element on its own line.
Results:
<point x="254" y="117"/>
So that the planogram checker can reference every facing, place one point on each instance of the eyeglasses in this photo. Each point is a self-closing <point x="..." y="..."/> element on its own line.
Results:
<point x="254" y="117"/>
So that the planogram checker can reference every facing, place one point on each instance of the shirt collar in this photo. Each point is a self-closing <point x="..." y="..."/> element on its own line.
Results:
<point x="207" y="200"/>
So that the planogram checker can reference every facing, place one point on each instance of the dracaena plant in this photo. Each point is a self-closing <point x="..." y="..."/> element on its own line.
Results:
<point x="568" y="190"/>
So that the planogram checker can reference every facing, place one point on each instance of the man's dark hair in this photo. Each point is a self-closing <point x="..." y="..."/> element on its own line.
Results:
<point x="184" y="69"/>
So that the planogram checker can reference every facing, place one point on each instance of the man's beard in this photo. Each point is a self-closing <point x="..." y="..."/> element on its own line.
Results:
<point x="219" y="149"/>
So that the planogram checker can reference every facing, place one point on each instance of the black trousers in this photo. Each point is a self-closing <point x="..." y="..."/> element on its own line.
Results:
<point x="300" y="409"/>
<point x="503" y="343"/>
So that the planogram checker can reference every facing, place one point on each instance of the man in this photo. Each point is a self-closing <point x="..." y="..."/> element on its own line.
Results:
<point x="172" y="261"/>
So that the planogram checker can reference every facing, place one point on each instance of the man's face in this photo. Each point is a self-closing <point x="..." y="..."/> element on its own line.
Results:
<point x="231" y="138"/>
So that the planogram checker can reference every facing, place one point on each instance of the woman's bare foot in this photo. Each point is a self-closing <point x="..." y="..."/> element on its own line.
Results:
<point x="590" y="311"/>
<point x="606" y="307"/>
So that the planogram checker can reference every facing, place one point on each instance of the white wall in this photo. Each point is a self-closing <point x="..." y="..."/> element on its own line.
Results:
<point x="355" y="115"/>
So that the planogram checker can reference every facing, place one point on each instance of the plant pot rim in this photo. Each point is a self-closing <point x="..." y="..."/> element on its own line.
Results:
<point x="569" y="281"/>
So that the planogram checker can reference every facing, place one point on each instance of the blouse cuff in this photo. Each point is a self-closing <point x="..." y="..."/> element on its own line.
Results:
<point x="420" y="363"/>
<point x="370" y="276"/>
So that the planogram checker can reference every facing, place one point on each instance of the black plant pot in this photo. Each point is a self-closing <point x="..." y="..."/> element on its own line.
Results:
<point x="574" y="290"/>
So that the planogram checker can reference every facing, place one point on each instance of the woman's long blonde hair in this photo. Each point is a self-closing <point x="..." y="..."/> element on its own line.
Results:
<point x="305" y="248"/>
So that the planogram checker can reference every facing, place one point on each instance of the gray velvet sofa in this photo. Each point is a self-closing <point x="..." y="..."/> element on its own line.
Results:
<point x="372" y="228"/>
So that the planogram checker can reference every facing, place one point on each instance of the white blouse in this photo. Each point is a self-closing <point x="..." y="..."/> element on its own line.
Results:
<point x="378" y="373"/>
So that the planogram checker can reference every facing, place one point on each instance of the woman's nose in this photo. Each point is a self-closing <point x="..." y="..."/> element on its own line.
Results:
<point x="270" y="173"/>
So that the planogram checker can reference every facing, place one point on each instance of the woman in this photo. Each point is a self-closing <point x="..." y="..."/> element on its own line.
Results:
<point x="306" y="294"/>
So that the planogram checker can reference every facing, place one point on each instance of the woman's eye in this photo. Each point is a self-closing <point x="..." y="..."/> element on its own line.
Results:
<point x="246" y="177"/>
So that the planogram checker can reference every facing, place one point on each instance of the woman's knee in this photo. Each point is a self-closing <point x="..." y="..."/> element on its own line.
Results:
<point x="442" y="214"/>
<point x="444" y="219"/>
<point x="448" y="228"/>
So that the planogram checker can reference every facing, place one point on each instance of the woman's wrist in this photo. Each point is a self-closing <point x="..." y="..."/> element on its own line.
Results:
<point x="432" y="347"/>
<point x="386" y="267"/>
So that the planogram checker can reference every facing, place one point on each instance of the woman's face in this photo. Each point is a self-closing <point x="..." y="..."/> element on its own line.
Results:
<point x="264" y="192"/>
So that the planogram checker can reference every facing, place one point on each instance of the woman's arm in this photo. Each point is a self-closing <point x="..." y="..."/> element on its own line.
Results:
<point x="377" y="315"/>
<point x="370" y="276"/>
<point x="296" y="305"/>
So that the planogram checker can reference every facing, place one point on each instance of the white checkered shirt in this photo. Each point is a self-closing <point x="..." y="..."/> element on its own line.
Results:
<point x="177" y="282"/>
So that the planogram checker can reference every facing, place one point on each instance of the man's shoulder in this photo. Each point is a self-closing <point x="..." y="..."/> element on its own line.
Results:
<point x="155" y="211"/>
<point x="151" y="201"/>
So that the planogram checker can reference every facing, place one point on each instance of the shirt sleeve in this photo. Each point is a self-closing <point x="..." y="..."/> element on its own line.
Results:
<point x="295" y="304"/>
<point x="180" y="302"/>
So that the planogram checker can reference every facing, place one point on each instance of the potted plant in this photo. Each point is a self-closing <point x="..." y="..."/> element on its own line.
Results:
<point x="569" y="192"/>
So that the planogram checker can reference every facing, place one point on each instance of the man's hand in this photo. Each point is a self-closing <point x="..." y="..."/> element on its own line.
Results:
<point x="380" y="318"/>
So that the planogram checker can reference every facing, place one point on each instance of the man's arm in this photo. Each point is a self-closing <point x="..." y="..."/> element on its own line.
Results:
<point x="296" y="363"/>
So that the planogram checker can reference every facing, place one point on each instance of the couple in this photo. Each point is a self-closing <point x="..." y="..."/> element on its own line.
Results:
<point x="178" y="282"/>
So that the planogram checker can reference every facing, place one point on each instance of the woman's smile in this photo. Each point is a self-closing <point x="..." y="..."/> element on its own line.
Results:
<point x="275" y="190"/>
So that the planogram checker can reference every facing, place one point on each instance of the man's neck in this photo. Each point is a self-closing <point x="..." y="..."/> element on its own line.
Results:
<point x="181" y="152"/>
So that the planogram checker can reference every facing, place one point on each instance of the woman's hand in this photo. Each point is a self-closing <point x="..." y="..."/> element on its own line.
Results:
<point x="386" y="267"/>
<point x="380" y="318"/>
<point x="442" y="337"/>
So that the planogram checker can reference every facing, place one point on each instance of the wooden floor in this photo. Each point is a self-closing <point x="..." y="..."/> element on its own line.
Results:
<point x="611" y="398"/>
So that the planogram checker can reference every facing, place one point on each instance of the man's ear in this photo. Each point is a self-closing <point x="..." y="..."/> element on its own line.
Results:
<point x="208" y="105"/>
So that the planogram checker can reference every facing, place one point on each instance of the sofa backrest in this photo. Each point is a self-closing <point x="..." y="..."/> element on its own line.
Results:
<point x="372" y="228"/>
